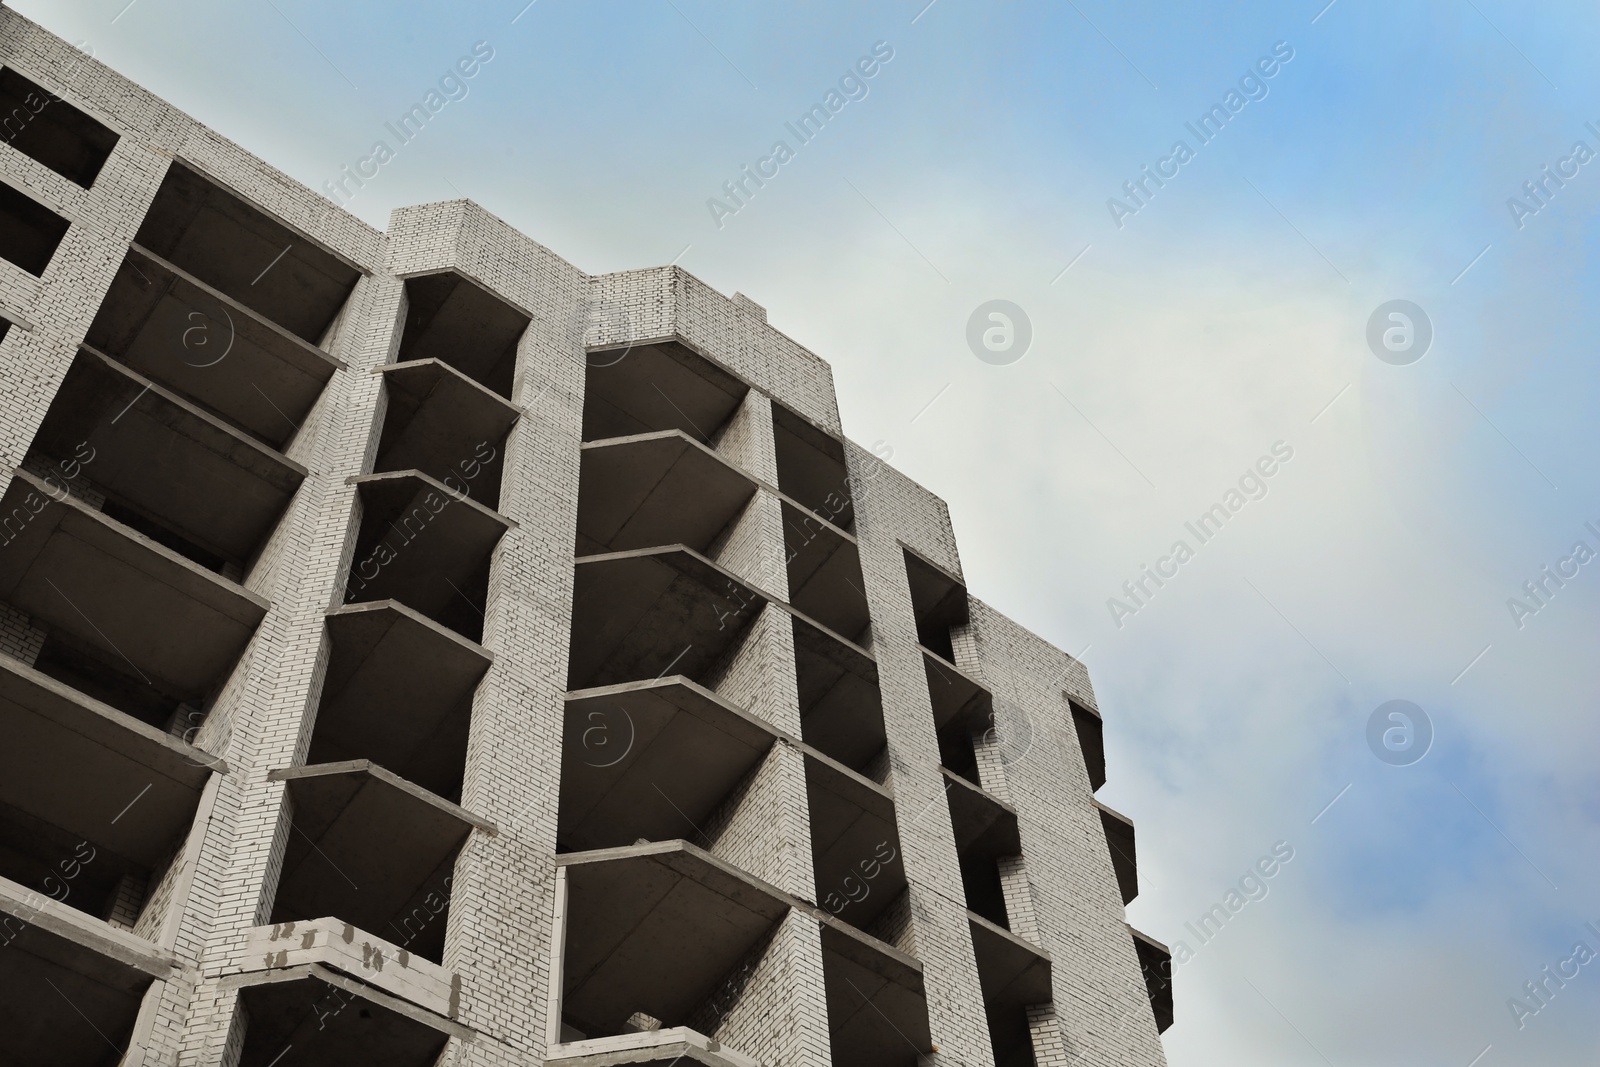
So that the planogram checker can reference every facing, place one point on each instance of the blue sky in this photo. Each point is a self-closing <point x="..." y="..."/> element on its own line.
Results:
<point x="1228" y="314"/>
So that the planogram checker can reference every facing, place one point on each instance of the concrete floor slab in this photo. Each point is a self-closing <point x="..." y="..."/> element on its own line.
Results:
<point x="444" y="424"/>
<point x="664" y="1048"/>
<point x="877" y="1004"/>
<point x="398" y="692"/>
<point x="368" y="848"/>
<point x="175" y="329"/>
<point x="1155" y="960"/>
<point x="960" y="701"/>
<point x="824" y="565"/>
<point x="841" y="704"/>
<point x="1120" y="842"/>
<point x="1013" y="972"/>
<point x="641" y="613"/>
<point x="661" y="488"/>
<point x="650" y="760"/>
<point x="184" y="467"/>
<point x="118" y="592"/>
<point x="661" y="386"/>
<point x="983" y="823"/>
<point x="855" y="841"/>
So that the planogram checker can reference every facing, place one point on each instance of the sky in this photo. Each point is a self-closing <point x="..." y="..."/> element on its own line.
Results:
<point x="1423" y="469"/>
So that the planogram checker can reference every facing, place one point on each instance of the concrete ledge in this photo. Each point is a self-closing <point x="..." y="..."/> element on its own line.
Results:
<point x="660" y="488"/>
<point x="1124" y="857"/>
<point x="233" y="489"/>
<point x="72" y="762"/>
<point x="841" y="704"/>
<point x="959" y="700"/>
<point x="1155" y="960"/>
<point x="1013" y="972"/>
<point x="650" y="760"/>
<point x="659" y="385"/>
<point x="983" y="823"/>
<point x="312" y="1016"/>
<point x="398" y="692"/>
<point x="673" y="1045"/>
<point x="339" y="946"/>
<point x="368" y="848"/>
<point x="116" y="591"/>
<point x="824" y="565"/>
<point x="174" y="328"/>
<point x="640" y="613"/>
<point x="855" y="841"/>
<point x="437" y="422"/>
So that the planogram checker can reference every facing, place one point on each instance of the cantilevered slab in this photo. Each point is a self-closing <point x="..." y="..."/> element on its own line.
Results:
<point x="811" y="467"/>
<point x="193" y="472"/>
<point x="245" y="252"/>
<point x="638" y="614"/>
<point x="982" y="822"/>
<point x="1155" y="960"/>
<point x="855" y="842"/>
<point x="650" y="760"/>
<point x="661" y="386"/>
<point x="443" y="423"/>
<point x="452" y="318"/>
<point x="959" y="700"/>
<point x="841" y="705"/>
<point x="662" y="1048"/>
<point x="312" y="1016"/>
<point x="99" y="975"/>
<point x="662" y="488"/>
<point x="1120" y="840"/>
<point x="398" y="692"/>
<point x="877" y="1005"/>
<point x="1013" y="972"/>
<point x="424" y="546"/>
<point x="368" y="846"/>
<point x="1090" y="729"/>
<point x="118" y="592"/>
<point x="655" y="928"/>
<point x="824" y="566"/>
<point x="93" y="772"/>
<point x="175" y="329"/>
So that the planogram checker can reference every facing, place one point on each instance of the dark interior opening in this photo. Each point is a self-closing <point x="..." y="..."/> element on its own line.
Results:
<point x="69" y="663"/>
<point x="161" y="535"/>
<point x="980" y="880"/>
<point x="51" y="131"/>
<point x="958" y="754"/>
<point x="59" y="865"/>
<point x="30" y="233"/>
<point x="1009" y="1036"/>
<point x="1091" y="739"/>
<point x="811" y="468"/>
<point x="450" y="319"/>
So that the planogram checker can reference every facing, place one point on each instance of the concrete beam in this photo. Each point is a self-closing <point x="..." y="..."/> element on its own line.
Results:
<point x="233" y="490"/>
<point x="369" y="848"/>
<point x="211" y="232"/>
<point x="1124" y="858"/>
<point x="120" y="593"/>
<point x="841" y="704"/>
<point x="662" y="386"/>
<point x="960" y="701"/>
<point x="855" y="841"/>
<point x="1155" y="960"/>
<point x="93" y="772"/>
<point x="651" y="760"/>
<point x="983" y="823"/>
<point x="453" y="319"/>
<point x="1013" y="972"/>
<point x="442" y="423"/>
<point x="640" y="613"/>
<point x="175" y="329"/>
<point x="824" y="564"/>
<point x="312" y="1016"/>
<point x="661" y="488"/>
<point x="424" y="546"/>
<point x="398" y="692"/>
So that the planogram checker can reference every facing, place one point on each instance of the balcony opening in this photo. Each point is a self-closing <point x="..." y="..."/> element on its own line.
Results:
<point x="51" y="131"/>
<point x="460" y="323"/>
<point x="645" y="388"/>
<point x="938" y="603"/>
<point x="93" y="674"/>
<point x="30" y="233"/>
<point x="811" y="468"/>
<point x="1090" y="729"/>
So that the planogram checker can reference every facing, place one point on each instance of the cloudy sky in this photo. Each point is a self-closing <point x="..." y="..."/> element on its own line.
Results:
<point x="1177" y="337"/>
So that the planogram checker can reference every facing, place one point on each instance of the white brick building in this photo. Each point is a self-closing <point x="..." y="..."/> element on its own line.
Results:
<point x="415" y="651"/>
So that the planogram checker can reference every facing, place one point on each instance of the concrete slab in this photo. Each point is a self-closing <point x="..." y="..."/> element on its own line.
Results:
<point x="983" y="823"/>
<point x="650" y="760"/>
<point x="120" y="593"/>
<point x="811" y="468"/>
<point x="1124" y="858"/>
<point x="662" y="488"/>
<point x="277" y="271"/>
<point x="204" y="345"/>
<point x="1155" y="960"/>
<point x="312" y="1016"/>
<point x="451" y="318"/>
<point x="94" y="773"/>
<point x="398" y="692"/>
<point x="424" y="546"/>
<point x="641" y="613"/>
<point x="677" y="1044"/>
<point x="368" y="848"/>
<point x="655" y="928"/>
<point x="824" y="564"/>
<point x="1090" y="729"/>
<point x="877" y="1004"/>
<point x="441" y="422"/>
<point x="164" y="456"/>
<point x="660" y="386"/>
<point x="1013" y="972"/>
<point x="960" y="701"/>
<point x="855" y="841"/>
<point x="70" y="986"/>
<point x="841" y="704"/>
